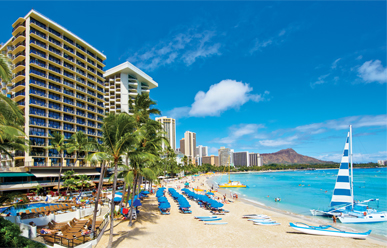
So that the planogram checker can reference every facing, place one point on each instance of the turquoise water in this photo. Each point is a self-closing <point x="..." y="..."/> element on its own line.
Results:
<point x="301" y="191"/>
<point x="28" y="207"/>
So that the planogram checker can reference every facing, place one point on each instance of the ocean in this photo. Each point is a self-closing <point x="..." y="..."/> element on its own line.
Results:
<point x="301" y="191"/>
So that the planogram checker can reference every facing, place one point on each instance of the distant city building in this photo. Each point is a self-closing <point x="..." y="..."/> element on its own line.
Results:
<point x="255" y="159"/>
<point x="188" y="145"/>
<point x="224" y="155"/>
<point x="382" y="162"/>
<point x="212" y="160"/>
<point x="201" y="151"/>
<point x="177" y="150"/>
<point x="241" y="158"/>
<point x="169" y="127"/>
<point x="182" y="144"/>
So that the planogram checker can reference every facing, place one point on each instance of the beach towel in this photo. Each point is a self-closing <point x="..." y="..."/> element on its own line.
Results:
<point x="125" y="210"/>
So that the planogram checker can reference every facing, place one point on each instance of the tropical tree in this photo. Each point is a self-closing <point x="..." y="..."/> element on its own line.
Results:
<point x="78" y="143"/>
<point x="5" y="68"/>
<point x="142" y="108"/>
<point x="58" y="143"/>
<point x="117" y="136"/>
<point x="11" y="117"/>
<point x="12" y="136"/>
<point x="38" y="188"/>
<point x="105" y="160"/>
<point x="83" y="181"/>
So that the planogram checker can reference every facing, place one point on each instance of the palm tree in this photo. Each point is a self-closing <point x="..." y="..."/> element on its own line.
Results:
<point x="58" y="143"/>
<point x="83" y="181"/>
<point x="141" y="108"/>
<point x="79" y="142"/>
<point x="104" y="159"/>
<point x="5" y="68"/>
<point x="117" y="136"/>
<point x="12" y="136"/>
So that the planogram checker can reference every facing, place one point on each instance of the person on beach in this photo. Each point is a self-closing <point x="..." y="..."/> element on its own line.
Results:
<point x="334" y="219"/>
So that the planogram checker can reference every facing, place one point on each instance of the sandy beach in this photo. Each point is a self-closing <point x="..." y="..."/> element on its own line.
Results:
<point x="181" y="230"/>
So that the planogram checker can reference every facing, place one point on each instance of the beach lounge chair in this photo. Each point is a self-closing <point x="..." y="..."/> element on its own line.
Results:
<point x="57" y="208"/>
<point x="52" y="208"/>
<point x="164" y="211"/>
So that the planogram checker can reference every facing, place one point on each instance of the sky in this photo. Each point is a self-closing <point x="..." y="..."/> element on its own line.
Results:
<point x="251" y="76"/>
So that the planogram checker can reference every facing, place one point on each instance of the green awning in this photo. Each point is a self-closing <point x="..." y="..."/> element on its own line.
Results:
<point x="15" y="174"/>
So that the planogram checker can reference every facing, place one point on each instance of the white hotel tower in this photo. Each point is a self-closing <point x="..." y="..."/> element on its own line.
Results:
<point x="124" y="82"/>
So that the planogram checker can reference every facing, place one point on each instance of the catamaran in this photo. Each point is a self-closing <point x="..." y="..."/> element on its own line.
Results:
<point x="231" y="184"/>
<point x="342" y="204"/>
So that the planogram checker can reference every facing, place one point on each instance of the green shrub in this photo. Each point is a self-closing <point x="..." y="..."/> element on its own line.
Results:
<point x="10" y="236"/>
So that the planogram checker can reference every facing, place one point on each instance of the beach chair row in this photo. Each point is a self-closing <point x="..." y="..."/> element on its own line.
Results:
<point x="70" y="233"/>
<point x="46" y="210"/>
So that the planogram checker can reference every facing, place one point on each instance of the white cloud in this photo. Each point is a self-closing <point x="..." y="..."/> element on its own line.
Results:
<point x="359" y="57"/>
<point x="177" y="113"/>
<point x="220" y="97"/>
<point x="343" y="123"/>
<point x="357" y="157"/>
<point x="373" y="71"/>
<point x="320" y="80"/>
<point x="276" y="39"/>
<point x="236" y="132"/>
<point x="279" y="142"/>
<point x="185" y="47"/>
<point x="334" y="64"/>
<point x="213" y="151"/>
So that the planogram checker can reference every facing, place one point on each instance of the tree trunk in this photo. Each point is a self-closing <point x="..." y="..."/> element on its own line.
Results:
<point x="127" y="197"/>
<point x="60" y="172"/>
<point x="139" y="185"/>
<point x="123" y="194"/>
<point x="97" y="198"/>
<point x="112" y="204"/>
<point x="131" y="202"/>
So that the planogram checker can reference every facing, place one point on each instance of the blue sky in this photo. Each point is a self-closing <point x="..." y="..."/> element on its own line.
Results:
<point x="255" y="76"/>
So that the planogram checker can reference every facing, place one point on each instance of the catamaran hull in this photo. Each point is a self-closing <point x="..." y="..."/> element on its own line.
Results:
<point x="343" y="234"/>
<point x="372" y="218"/>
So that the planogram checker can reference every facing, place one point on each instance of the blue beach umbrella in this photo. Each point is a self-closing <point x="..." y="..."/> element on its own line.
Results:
<point x="136" y="203"/>
<point x="165" y="205"/>
<point x="117" y="199"/>
<point x="163" y="200"/>
<point x="210" y="193"/>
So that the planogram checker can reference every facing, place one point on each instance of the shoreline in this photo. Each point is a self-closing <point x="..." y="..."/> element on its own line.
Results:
<point x="246" y="200"/>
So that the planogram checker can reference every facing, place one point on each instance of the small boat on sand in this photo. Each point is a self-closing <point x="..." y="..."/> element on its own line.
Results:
<point x="210" y="219"/>
<point x="327" y="231"/>
<point x="255" y="216"/>
<point x="204" y="217"/>
<point x="267" y="223"/>
<point x="215" y="223"/>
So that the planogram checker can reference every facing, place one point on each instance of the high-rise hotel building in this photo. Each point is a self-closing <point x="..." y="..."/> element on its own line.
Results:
<point x="123" y="83"/>
<point x="169" y="127"/>
<point x="59" y="85"/>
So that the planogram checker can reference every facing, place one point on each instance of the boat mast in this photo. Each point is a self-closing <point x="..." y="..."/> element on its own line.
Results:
<point x="351" y="155"/>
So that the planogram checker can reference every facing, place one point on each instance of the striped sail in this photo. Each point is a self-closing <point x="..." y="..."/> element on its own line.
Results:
<point x="342" y="192"/>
